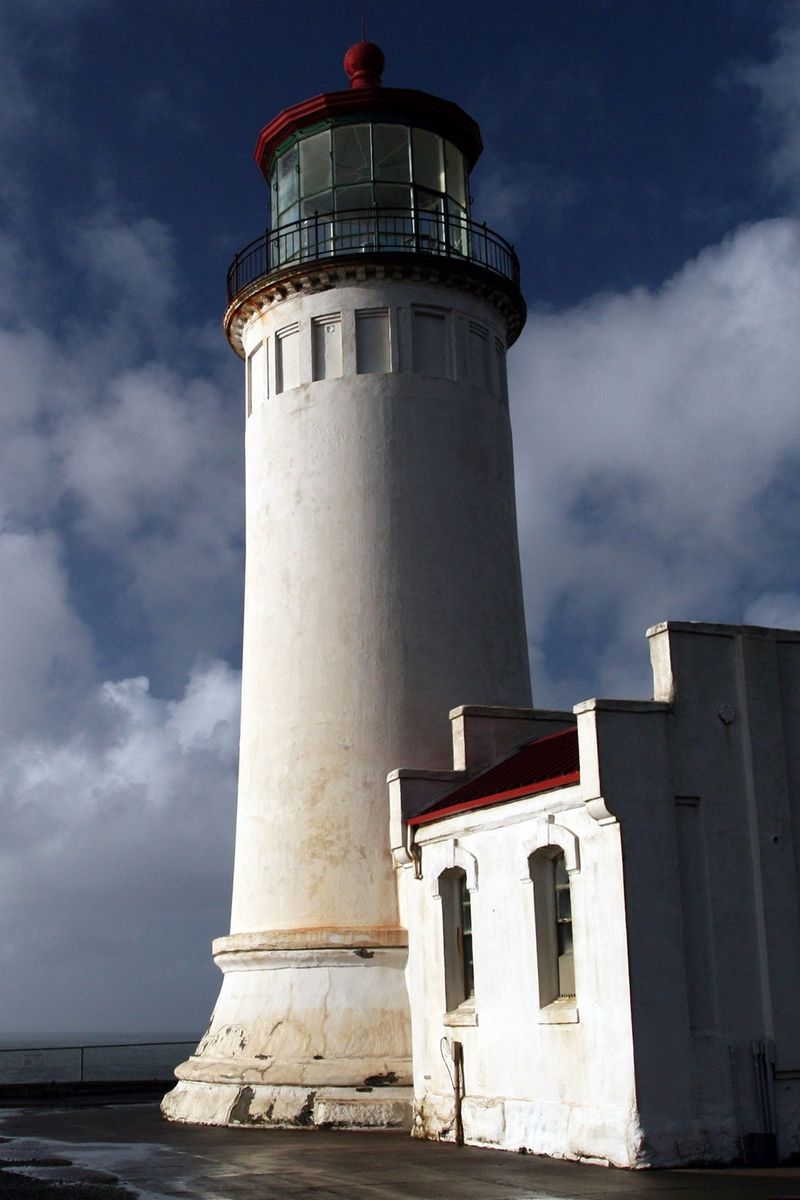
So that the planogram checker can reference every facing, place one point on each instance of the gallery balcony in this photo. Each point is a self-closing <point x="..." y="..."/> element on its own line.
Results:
<point x="389" y="235"/>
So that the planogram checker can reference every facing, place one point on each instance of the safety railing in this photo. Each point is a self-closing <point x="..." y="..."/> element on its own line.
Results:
<point x="96" y="1062"/>
<point x="371" y="231"/>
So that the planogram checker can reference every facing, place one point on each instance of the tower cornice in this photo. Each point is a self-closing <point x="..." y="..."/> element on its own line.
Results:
<point x="319" y="277"/>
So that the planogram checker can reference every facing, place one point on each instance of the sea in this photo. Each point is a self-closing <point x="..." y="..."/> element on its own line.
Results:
<point x="89" y="1055"/>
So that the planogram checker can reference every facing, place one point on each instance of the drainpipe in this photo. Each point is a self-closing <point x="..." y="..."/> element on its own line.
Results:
<point x="458" y="1088"/>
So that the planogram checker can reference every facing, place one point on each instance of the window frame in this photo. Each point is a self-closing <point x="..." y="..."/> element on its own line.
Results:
<point x="551" y="843"/>
<point x="457" y="942"/>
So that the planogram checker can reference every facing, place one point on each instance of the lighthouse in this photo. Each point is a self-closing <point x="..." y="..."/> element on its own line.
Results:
<point x="382" y="581"/>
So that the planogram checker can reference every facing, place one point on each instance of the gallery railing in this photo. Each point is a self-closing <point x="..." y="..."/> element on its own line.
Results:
<point x="324" y="236"/>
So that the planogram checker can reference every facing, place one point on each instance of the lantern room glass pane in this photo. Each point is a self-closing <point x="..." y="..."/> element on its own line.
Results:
<point x="454" y="174"/>
<point x="321" y="203"/>
<point x="315" y="163"/>
<point x="351" y="154"/>
<point x="456" y="227"/>
<point x="286" y="170"/>
<point x="357" y="196"/>
<point x="429" y="220"/>
<point x="395" y="224"/>
<point x="390" y="153"/>
<point x="428" y="159"/>
<point x="393" y="195"/>
<point x="317" y="228"/>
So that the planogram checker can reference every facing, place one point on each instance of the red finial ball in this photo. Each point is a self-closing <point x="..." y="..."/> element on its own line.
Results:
<point x="364" y="63"/>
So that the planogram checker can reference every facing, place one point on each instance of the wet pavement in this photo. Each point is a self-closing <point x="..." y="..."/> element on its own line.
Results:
<point x="98" y="1150"/>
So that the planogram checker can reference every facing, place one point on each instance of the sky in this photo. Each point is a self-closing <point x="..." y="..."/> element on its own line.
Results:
<point x="644" y="158"/>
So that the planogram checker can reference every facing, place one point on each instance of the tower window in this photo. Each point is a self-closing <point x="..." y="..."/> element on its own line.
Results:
<point x="478" y="355"/>
<point x="256" y="376"/>
<point x="430" y="342"/>
<point x="372" y="341"/>
<point x="287" y="359"/>
<point x="459" y="974"/>
<point x="326" y="347"/>
<point x="499" y="372"/>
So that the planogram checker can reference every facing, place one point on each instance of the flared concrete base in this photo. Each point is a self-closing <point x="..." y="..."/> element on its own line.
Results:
<point x="309" y="1034"/>
<point x="286" y="1107"/>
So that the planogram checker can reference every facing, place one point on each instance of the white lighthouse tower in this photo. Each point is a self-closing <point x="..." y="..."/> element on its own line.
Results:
<point x="382" y="581"/>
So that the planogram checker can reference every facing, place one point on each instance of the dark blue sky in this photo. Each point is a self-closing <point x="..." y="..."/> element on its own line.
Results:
<point x="643" y="156"/>
<point x="631" y="116"/>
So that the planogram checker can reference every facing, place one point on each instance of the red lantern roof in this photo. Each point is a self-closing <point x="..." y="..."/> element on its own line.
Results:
<point x="366" y="97"/>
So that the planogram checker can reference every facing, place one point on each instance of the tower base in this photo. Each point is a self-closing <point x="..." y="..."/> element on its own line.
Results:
<point x="311" y="1028"/>
<point x="289" y="1107"/>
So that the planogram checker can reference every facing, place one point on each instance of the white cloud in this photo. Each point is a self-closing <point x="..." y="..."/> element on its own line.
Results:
<point x="117" y="846"/>
<point x="778" y="85"/>
<point x="505" y="195"/>
<point x="776" y="610"/>
<point x="132" y="260"/>
<point x="45" y="652"/>
<point x="655" y="435"/>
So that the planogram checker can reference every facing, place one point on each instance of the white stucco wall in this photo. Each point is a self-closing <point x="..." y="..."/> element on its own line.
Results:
<point x="553" y="1080"/>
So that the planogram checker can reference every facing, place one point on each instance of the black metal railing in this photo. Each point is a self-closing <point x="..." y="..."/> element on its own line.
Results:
<point x="371" y="231"/>
<point x="96" y="1062"/>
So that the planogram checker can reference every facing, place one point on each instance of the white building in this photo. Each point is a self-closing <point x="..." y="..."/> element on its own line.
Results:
<point x="607" y="919"/>
<point x="580" y="936"/>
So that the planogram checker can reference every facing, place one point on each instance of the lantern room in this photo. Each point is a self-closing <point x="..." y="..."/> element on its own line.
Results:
<point x="373" y="171"/>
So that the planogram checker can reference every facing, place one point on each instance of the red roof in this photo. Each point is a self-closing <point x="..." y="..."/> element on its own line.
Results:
<point x="373" y="103"/>
<point x="538" y="766"/>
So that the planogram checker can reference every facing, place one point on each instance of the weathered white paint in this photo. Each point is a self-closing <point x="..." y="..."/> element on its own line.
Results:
<point x="687" y="944"/>
<point x="382" y="585"/>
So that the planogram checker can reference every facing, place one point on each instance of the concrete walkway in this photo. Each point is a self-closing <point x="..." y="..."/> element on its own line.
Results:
<point x="130" y="1145"/>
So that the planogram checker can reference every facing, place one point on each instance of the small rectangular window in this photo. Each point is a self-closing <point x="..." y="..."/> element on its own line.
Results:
<point x="287" y="358"/>
<point x="478" y="368"/>
<point x="372" y="341"/>
<point x="430" y="343"/>
<point x="326" y="346"/>
<point x="256" y="376"/>
<point x="499" y="381"/>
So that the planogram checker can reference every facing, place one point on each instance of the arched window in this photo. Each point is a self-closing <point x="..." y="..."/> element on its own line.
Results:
<point x="552" y="899"/>
<point x="459" y="975"/>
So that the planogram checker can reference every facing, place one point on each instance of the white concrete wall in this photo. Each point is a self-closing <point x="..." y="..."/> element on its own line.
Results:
<point x="734" y="749"/>
<point x="382" y="585"/>
<point x="705" y="784"/>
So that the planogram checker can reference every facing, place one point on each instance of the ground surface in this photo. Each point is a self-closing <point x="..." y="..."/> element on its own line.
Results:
<point x="98" y="1151"/>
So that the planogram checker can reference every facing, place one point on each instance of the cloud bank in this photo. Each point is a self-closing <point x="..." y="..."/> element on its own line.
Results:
<point x="658" y="445"/>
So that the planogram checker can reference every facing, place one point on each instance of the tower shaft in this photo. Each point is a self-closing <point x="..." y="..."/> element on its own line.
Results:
<point x="382" y="583"/>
